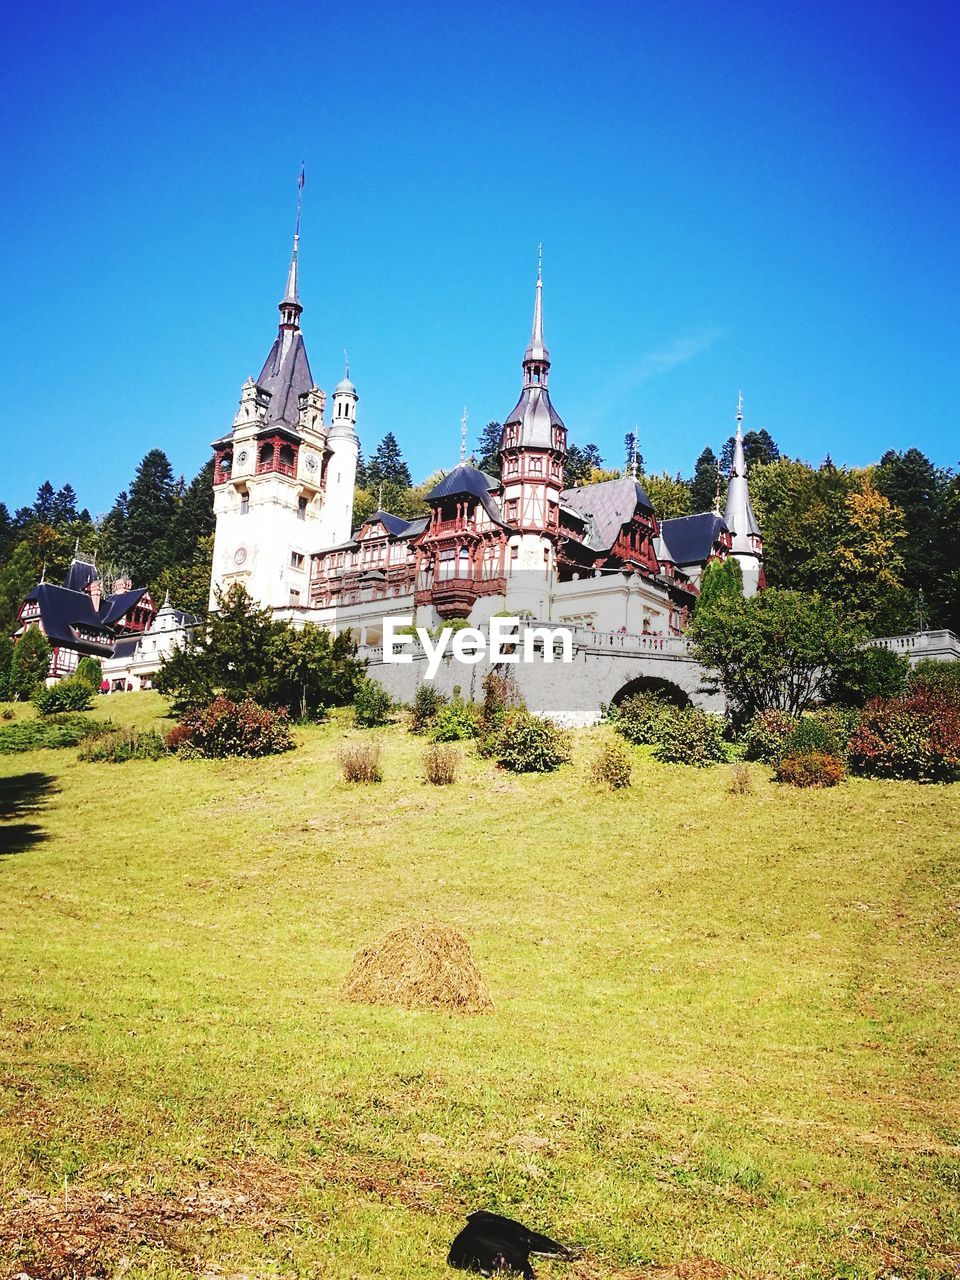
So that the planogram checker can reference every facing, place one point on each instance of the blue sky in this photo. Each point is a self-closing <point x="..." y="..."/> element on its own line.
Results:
<point x="749" y="194"/>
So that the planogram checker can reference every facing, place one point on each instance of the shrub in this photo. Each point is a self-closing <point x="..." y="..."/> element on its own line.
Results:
<point x="226" y="728"/>
<point x="499" y="694"/>
<point x="57" y="731"/>
<point x="371" y="704"/>
<point x="531" y="744"/>
<point x="767" y="734"/>
<point x="90" y="671"/>
<point x="440" y="764"/>
<point x="642" y="718"/>
<point x="125" y="744"/>
<point x="611" y="767"/>
<point x="72" y="694"/>
<point x="456" y="722"/>
<point x="426" y="706"/>
<point x="916" y="736"/>
<point x="360" y="761"/>
<point x="868" y="672"/>
<point x="692" y="736"/>
<point x="810" y="769"/>
<point x="741" y="783"/>
<point x="942" y="678"/>
<point x="826" y="731"/>
<point x="7" y="713"/>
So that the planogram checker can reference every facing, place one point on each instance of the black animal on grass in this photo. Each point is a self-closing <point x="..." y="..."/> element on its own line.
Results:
<point x="496" y="1246"/>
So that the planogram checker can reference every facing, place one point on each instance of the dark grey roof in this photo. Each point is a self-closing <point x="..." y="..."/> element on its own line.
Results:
<point x="468" y="479"/>
<point x="606" y="507"/>
<point x="286" y="375"/>
<point x="464" y="478"/>
<point x="80" y="575"/>
<point x="126" y="646"/>
<point x="535" y="415"/>
<point x="691" y="539"/>
<point x="62" y="610"/>
<point x="113" y="608"/>
<point x="393" y="524"/>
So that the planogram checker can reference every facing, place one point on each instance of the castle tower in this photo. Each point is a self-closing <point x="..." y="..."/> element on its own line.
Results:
<point x="739" y="517"/>
<point x="533" y="448"/>
<point x="272" y="471"/>
<point x="344" y="450"/>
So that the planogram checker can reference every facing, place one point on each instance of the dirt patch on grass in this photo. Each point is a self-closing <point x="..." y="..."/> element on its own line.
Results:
<point x="689" y="1269"/>
<point x="89" y="1232"/>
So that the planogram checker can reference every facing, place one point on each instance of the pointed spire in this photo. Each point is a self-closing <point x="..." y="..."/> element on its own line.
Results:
<point x="463" y="435"/>
<point x="290" y="307"/>
<point x="739" y="467"/>
<point x="166" y="599"/>
<point x="738" y="512"/>
<point x="536" y="360"/>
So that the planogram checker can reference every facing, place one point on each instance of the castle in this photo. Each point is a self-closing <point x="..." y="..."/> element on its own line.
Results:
<point x="594" y="557"/>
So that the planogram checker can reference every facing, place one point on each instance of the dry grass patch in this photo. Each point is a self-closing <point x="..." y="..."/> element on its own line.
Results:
<point x="419" y="966"/>
<point x="361" y="761"/>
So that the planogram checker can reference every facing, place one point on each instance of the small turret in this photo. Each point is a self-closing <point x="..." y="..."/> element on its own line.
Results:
<point x="740" y="521"/>
<point x="344" y="446"/>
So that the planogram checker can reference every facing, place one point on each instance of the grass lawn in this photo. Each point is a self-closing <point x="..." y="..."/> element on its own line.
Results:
<point x="725" y="1037"/>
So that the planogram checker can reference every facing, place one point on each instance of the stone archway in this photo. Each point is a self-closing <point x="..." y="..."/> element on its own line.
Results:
<point x="657" y="685"/>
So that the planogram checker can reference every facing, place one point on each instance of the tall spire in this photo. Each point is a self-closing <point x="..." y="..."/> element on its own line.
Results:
<point x="290" y="307"/>
<point x="738" y="513"/>
<point x="463" y="435"/>
<point x="536" y="360"/>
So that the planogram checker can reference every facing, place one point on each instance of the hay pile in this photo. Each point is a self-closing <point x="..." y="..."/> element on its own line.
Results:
<point x="421" y="966"/>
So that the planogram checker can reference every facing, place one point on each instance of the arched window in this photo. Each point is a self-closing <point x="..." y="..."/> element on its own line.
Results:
<point x="265" y="456"/>
<point x="287" y="456"/>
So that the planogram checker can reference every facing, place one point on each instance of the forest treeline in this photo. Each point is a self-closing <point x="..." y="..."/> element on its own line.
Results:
<point x="882" y="541"/>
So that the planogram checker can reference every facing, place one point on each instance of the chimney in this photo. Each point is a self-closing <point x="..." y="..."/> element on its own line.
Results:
<point x="96" y="592"/>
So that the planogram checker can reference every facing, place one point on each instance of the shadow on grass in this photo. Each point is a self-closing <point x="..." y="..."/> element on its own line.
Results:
<point x="23" y="795"/>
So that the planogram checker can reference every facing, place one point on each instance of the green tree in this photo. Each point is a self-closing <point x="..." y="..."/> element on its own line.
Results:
<point x="31" y="662"/>
<point x="488" y="449"/>
<point x="387" y="465"/>
<point x="45" y="505"/>
<point x="193" y="520"/>
<point x="669" y="495"/>
<point x="65" y="506"/>
<point x="778" y="650"/>
<point x="17" y="577"/>
<point x="862" y="571"/>
<point x="721" y="579"/>
<point x="241" y="651"/>
<point x="911" y="482"/>
<point x="703" y="486"/>
<point x="580" y="463"/>
<point x="758" y="446"/>
<point x="6" y="664"/>
<point x="150" y="512"/>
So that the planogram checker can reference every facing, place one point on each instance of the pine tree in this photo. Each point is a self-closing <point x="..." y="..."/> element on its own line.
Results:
<point x="488" y="449"/>
<point x="43" y="507"/>
<point x="703" y="486"/>
<point x="31" y="662"/>
<point x="150" y="512"/>
<point x="194" y="519"/>
<point x="758" y="446"/>
<point x="580" y="463"/>
<point x="17" y="577"/>
<point x="911" y="482"/>
<point x="65" y="505"/>
<point x="387" y="465"/>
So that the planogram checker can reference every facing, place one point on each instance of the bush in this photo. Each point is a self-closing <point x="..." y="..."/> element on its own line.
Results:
<point x="642" y="718"/>
<point x="767" y="734"/>
<point x="440" y="764"/>
<point x="57" y="731"/>
<point x="360" y="761"/>
<point x="823" y="732"/>
<point x="90" y="671"/>
<point x="125" y="744"/>
<point x="810" y="769"/>
<point x="942" y="678"/>
<point x="426" y="706"/>
<point x="72" y="694"/>
<point x="611" y="767"/>
<point x="226" y="728"/>
<point x="456" y="722"/>
<point x="371" y="704"/>
<point x="531" y="744"/>
<point x="916" y="736"/>
<point x="869" y="672"/>
<point x="7" y="713"/>
<point x="692" y="736"/>
<point x="499" y="695"/>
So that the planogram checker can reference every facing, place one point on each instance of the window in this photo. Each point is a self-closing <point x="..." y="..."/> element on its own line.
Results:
<point x="536" y="466"/>
<point x="301" y="508"/>
<point x="294" y="597"/>
<point x="296" y="560"/>
<point x="244" y="503"/>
